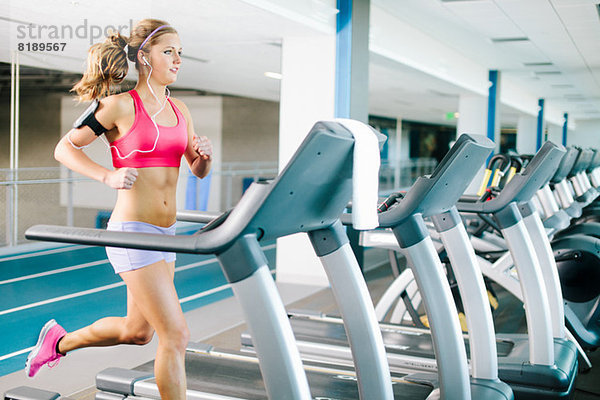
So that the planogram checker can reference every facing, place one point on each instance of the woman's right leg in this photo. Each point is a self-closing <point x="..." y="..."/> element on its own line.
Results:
<point x="132" y="329"/>
<point x="54" y="341"/>
<point x="152" y="303"/>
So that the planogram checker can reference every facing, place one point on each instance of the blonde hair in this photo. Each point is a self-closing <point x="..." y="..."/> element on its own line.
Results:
<point x="107" y="61"/>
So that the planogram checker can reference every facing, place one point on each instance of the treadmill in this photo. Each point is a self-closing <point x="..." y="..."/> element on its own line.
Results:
<point x="594" y="169"/>
<point x="541" y="367"/>
<point x="451" y="177"/>
<point x="562" y="191"/>
<point x="580" y="238"/>
<point x="316" y="184"/>
<point x="584" y="192"/>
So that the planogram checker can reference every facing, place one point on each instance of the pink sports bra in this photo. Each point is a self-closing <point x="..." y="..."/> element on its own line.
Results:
<point x="171" y="144"/>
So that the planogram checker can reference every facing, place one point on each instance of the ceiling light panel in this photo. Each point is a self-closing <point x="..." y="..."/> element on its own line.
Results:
<point x="538" y="64"/>
<point x="562" y="86"/>
<point x="508" y="39"/>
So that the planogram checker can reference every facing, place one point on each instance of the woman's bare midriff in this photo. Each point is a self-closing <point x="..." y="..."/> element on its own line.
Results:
<point x="151" y="198"/>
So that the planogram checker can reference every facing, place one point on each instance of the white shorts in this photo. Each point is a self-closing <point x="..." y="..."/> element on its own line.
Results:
<point x="124" y="260"/>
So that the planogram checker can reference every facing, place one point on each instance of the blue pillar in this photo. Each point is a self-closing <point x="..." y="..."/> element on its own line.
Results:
<point x="343" y="59"/>
<point x="352" y="60"/>
<point x="191" y="192"/>
<point x="565" y="124"/>
<point x="492" y="105"/>
<point x="197" y="191"/>
<point x="352" y="75"/>
<point x="540" y="124"/>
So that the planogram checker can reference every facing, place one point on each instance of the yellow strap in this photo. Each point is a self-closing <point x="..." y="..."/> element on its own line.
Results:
<point x="493" y="300"/>
<point x="497" y="176"/>
<point x="462" y="318"/>
<point x="511" y="173"/>
<point x="486" y="178"/>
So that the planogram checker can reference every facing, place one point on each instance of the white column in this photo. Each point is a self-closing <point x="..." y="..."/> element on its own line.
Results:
<point x="473" y="114"/>
<point x="585" y="134"/>
<point x="554" y="133"/>
<point x="402" y="141"/>
<point x="399" y="151"/>
<point x="526" y="134"/>
<point x="472" y="119"/>
<point x="307" y="96"/>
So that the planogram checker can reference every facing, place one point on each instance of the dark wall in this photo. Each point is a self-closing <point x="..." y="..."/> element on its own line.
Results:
<point x="429" y="140"/>
<point x="250" y="130"/>
<point x="38" y="131"/>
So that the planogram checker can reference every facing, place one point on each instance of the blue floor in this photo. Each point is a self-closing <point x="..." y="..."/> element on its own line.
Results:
<point x="76" y="285"/>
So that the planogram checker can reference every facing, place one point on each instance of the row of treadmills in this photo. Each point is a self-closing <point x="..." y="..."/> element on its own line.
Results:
<point x="354" y="356"/>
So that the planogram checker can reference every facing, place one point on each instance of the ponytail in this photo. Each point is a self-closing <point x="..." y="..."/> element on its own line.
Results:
<point x="106" y="68"/>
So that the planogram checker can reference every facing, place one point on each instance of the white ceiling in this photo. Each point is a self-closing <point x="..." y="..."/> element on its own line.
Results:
<point x="231" y="43"/>
<point x="562" y="33"/>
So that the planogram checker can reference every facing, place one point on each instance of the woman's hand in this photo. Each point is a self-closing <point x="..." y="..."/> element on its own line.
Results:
<point x="122" y="178"/>
<point x="203" y="147"/>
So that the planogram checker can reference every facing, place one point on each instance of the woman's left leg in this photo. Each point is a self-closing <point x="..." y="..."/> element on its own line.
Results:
<point x="154" y="294"/>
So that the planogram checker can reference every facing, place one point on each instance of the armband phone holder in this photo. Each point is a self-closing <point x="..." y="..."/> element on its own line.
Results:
<point x="88" y="119"/>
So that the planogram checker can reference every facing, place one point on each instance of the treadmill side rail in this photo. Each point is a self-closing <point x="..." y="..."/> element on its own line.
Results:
<point x="267" y="320"/>
<point x="482" y="339"/>
<point x="549" y="271"/>
<point x="353" y="299"/>
<point x="537" y="309"/>
<point x="447" y="336"/>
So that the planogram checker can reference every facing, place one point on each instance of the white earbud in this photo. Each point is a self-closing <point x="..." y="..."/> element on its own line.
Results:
<point x="145" y="61"/>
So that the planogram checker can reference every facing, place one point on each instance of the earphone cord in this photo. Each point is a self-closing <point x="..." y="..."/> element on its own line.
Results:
<point x="118" y="153"/>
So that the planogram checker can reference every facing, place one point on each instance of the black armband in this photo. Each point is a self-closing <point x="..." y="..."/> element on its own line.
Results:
<point x="88" y="118"/>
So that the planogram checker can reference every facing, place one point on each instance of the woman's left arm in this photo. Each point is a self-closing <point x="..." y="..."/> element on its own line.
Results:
<point x="198" y="152"/>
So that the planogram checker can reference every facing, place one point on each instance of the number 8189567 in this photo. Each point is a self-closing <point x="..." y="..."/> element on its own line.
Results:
<point x="40" y="46"/>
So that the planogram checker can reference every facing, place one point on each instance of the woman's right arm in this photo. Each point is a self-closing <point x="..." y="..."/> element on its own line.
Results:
<point x="69" y="150"/>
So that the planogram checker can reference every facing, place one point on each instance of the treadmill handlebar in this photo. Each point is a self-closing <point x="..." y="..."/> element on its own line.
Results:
<point x="595" y="163"/>
<point x="203" y="217"/>
<point x="346" y="219"/>
<point x="584" y="160"/>
<point x="566" y="165"/>
<point x="524" y="185"/>
<point x="209" y="240"/>
<point x="432" y="195"/>
<point x="469" y="198"/>
<point x="101" y="237"/>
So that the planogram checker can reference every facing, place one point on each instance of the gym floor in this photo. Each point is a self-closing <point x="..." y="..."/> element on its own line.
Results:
<point x="220" y="323"/>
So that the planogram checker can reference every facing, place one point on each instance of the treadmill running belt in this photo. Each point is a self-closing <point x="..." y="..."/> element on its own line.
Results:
<point x="235" y="378"/>
<point x="410" y="343"/>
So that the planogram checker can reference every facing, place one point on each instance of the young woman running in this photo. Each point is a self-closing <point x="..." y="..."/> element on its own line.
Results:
<point x="148" y="133"/>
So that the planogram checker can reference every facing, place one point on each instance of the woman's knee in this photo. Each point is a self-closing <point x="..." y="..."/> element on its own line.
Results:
<point x="177" y="336"/>
<point x="138" y="336"/>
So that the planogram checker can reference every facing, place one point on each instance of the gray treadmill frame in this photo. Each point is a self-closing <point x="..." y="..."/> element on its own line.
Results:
<point x="320" y="170"/>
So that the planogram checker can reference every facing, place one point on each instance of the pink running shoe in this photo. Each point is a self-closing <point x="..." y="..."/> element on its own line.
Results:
<point x="44" y="351"/>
